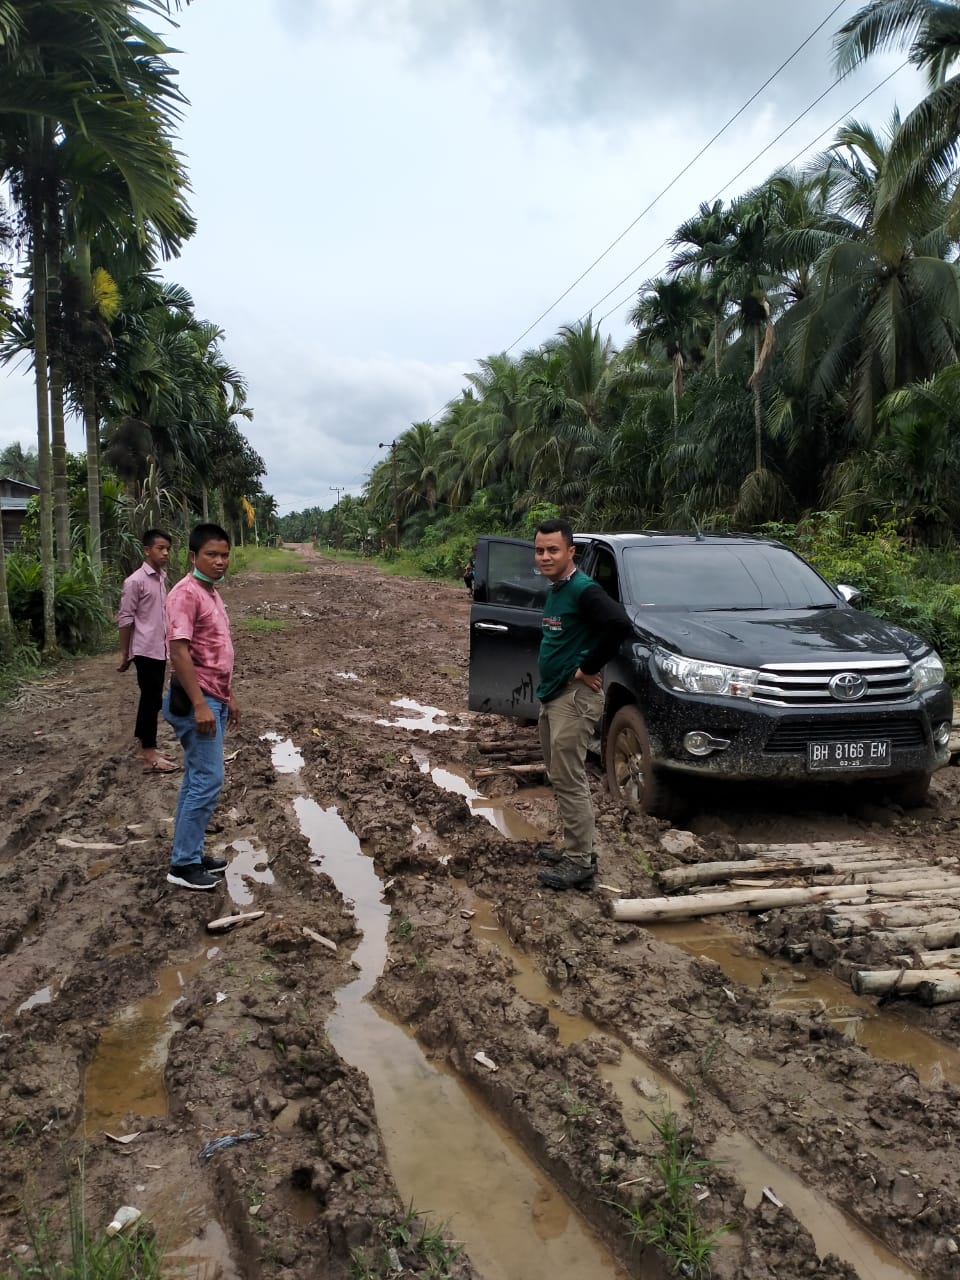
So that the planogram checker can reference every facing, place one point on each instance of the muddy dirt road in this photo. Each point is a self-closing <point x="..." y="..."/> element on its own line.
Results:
<point x="412" y="1022"/>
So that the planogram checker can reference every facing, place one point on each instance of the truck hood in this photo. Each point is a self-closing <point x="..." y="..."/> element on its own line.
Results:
<point x="768" y="637"/>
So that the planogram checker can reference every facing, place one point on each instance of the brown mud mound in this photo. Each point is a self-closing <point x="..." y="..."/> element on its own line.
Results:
<point x="413" y="1027"/>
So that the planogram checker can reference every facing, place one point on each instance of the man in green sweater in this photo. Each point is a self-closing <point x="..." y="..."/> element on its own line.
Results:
<point x="583" y="628"/>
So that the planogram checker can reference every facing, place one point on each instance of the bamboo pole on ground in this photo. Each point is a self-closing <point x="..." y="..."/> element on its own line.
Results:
<point x="892" y="919"/>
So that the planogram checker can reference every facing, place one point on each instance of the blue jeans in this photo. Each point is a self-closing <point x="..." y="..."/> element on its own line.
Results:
<point x="202" y="780"/>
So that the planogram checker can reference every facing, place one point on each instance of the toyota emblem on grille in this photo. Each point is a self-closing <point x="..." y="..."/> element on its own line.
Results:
<point x="848" y="686"/>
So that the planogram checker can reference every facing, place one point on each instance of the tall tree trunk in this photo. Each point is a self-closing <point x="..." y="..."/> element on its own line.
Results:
<point x="91" y="418"/>
<point x="58" y="437"/>
<point x="677" y="384"/>
<point x="758" y="403"/>
<point x="205" y="503"/>
<point x="39" y="264"/>
<point x="91" y="422"/>
<point x="716" y="345"/>
<point x="6" y="622"/>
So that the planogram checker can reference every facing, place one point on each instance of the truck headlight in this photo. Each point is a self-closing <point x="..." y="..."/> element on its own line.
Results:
<point x="927" y="673"/>
<point x="691" y="675"/>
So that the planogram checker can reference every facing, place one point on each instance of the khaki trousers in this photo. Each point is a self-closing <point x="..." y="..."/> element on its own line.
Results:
<point x="567" y="723"/>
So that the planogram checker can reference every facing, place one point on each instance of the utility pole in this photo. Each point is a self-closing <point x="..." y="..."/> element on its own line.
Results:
<point x="337" y="489"/>
<point x="396" y="500"/>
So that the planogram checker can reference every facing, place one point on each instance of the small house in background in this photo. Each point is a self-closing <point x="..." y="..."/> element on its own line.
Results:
<point x="14" y="497"/>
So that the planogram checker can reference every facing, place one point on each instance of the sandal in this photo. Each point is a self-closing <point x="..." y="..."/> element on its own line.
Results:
<point x="162" y="766"/>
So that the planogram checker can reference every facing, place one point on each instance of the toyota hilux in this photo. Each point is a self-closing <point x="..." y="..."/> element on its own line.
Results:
<point x="745" y="664"/>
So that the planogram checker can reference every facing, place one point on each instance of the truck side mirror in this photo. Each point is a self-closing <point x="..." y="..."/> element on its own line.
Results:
<point x="850" y="594"/>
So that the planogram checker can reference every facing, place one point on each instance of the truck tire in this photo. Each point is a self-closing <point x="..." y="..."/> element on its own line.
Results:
<point x="630" y="773"/>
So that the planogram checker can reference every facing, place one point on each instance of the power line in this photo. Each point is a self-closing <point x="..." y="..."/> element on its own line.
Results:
<point x="749" y="165"/>
<point x="793" y="160"/>
<point x="673" y="181"/>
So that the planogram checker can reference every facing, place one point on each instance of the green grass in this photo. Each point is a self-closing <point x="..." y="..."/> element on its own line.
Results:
<point x="670" y="1222"/>
<point x="263" y="624"/>
<point x="73" y="1250"/>
<point x="405" y="1246"/>
<point x="266" y="560"/>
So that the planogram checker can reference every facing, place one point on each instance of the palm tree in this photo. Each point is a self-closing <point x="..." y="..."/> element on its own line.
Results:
<point x="923" y="153"/>
<point x="885" y="310"/>
<point x="672" y="319"/>
<point x="95" y="72"/>
<point x="568" y="384"/>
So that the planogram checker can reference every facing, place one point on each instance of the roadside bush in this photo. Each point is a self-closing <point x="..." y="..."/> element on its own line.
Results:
<point x="915" y="588"/>
<point x="79" y="610"/>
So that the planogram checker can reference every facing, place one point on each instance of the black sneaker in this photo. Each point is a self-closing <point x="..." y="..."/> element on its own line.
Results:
<point x="214" y="865"/>
<point x="192" y="876"/>
<point x="549" y="853"/>
<point x="568" y="875"/>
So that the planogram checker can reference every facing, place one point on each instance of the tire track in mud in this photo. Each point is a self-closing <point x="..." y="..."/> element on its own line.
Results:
<point x="727" y="1072"/>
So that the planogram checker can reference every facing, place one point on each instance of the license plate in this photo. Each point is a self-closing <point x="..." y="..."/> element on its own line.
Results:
<point x="863" y="753"/>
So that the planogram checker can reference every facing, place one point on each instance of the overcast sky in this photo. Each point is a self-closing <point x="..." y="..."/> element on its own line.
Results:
<point x="389" y="190"/>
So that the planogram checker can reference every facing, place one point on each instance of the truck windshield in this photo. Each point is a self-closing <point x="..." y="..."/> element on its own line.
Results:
<point x="716" y="576"/>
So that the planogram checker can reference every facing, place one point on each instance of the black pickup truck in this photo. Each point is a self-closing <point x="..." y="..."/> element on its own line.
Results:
<point x="745" y="664"/>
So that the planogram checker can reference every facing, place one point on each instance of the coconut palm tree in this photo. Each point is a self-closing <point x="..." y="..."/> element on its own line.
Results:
<point x="885" y="310"/>
<point x="924" y="151"/>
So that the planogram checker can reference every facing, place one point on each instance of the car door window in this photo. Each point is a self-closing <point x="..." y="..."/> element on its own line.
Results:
<point x="604" y="573"/>
<point x="512" y="578"/>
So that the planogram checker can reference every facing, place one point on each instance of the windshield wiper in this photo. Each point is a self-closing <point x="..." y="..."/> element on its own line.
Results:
<point x="735" y="608"/>
<point x="831" y="604"/>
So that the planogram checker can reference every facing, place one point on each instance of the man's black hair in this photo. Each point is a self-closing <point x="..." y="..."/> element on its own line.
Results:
<point x="201" y="534"/>
<point x="557" y="526"/>
<point x="150" y="536"/>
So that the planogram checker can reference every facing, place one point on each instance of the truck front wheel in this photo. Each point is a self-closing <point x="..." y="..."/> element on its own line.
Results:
<point x="630" y="772"/>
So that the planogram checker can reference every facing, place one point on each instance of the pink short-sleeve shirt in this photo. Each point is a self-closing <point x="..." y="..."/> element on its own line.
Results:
<point x="199" y="616"/>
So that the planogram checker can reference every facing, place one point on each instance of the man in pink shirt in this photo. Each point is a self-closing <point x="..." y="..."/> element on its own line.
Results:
<point x="143" y="642"/>
<point x="200" y="703"/>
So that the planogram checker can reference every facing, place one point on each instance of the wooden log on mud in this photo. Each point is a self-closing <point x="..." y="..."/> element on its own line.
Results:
<point x="814" y="848"/>
<point x="510" y="768"/>
<point x="714" y="872"/>
<point x="648" y="910"/>
<point x="884" y="982"/>
<point x="944" y="958"/>
<point x="920" y="905"/>
<point x="892" y="919"/>
<point x="939" y="990"/>
<point x="940" y="934"/>
<point x="506" y="748"/>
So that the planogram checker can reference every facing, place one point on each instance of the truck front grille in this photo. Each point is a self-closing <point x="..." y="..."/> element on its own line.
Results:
<point x="793" y="735"/>
<point x="807" y="684"/>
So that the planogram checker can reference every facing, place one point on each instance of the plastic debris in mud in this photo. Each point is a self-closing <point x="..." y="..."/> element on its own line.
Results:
<point x="210" y="1149"/>
<point x="125" y="1216"/>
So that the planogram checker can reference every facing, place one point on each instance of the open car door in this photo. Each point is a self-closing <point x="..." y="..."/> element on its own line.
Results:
<point x="508" y="596"/>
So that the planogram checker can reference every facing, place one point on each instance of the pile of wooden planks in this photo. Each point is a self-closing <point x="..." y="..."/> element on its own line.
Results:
<point x="864" y="890"/>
